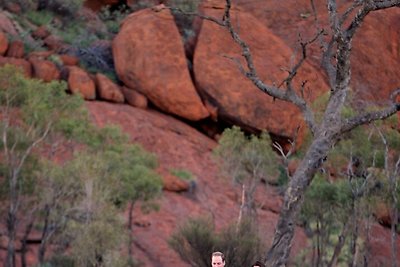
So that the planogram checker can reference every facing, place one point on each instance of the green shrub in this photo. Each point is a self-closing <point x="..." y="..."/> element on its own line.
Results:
<point x="40" y="18"/>
<point x="246" y="157"/>
<point x="67" y="8"/>
<point x="113" y="18"/>
<point x="183" y="174"/>
<point x="196" y="239"/>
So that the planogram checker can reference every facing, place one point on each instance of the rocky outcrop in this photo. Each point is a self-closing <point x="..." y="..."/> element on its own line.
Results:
<point x="238" y="101"/>
<point x="149" y="57"/>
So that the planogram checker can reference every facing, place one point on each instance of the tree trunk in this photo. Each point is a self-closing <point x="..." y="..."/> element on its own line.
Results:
<point x="394" y="220"/>
<point x="28" y="230"/>
<point x="339" y="245"/>
<point x="12" y="220"/>
<point x="130" y="239"/>
<point x="247" y="207"/>
<point x="279" y="252"/>
<point x="43" y="242"/>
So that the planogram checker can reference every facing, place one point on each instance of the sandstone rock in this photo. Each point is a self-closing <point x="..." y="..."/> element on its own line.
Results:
<point x="23" y="64"/>
<point x="3" y="43"/>
<point x="79" y="82"/>
<point x="44" y="70"/>
<point x="134" y="98"/>
<point x="41" y="32"/>
<point x="16" y="49"/>
<point x="53" y="42"/>
<point x="149" y="57"/>
<point x="108" y="90"/>
<point x="237" y="99"/>
<point x="69" y="60"/>
<point x="174" y="184"/>
<point x="40" y="54"/>
<point x="374" y="71"/>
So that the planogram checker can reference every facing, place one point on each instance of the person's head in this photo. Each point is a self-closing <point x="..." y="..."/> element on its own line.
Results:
<point x="217" y="259"/>
<point x="258" y="264"/>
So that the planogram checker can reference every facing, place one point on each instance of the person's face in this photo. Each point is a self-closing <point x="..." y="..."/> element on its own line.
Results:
<point x="216" y="261"/>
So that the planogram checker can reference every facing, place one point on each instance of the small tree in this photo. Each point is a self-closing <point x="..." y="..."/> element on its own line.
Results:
<point x="31" y="112"/>
<point x="78" y="201"/>
<point x="248" y="160"/>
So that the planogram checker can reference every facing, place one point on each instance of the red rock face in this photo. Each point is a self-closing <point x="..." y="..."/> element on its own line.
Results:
<point x="179" y="146"/>
<point x="375" y="53"/>
<point x="149" y="57"/>
<point x="237" y="99"/>
<point x="79" y="82"/>
<point x="108" y="90"/>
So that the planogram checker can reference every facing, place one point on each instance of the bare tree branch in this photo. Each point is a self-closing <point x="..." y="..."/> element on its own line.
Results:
<point x="368" y="117"/>
<point x="369" y="5"/>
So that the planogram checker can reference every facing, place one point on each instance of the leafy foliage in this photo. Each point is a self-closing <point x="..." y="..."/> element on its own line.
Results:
<point x="242" y="157"/>
<point x="80" y="199"/>
<point x="196" y="239"/>
<point x="183" y="174"/>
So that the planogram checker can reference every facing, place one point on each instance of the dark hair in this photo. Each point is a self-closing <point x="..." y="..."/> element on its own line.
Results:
<point x="218" y="254"/>
<point x="258" y="263"/>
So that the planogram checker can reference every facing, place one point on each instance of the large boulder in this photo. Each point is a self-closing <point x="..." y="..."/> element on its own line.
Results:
<point x="79" y="82"/>
<point x="44" y="69"/>
<point x="238" y="101"/>
<point x="149" y="57"/>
